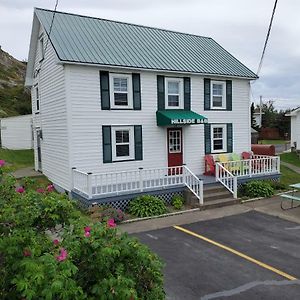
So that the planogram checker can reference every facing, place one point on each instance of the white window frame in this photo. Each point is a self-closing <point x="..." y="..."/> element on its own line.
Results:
<point x="41" y="47"/>
<point x="224" y="138"/>
<point x="129" y="91"/>
<point x="114" y="144"/>
<point x="37" y="98"/>
<point x="180" y="141"/>
<point x="181" y="97"/>
<point x="223" y="83"/>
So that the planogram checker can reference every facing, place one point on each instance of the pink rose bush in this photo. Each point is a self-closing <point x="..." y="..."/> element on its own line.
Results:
<point x="20" y="190"/>
<point x="50" y="188"/>
<point x="111" y="223"/>
<point x="2" y="163"/>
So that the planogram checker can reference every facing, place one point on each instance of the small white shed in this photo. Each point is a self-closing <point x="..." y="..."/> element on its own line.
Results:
<point x="16" y="132"/>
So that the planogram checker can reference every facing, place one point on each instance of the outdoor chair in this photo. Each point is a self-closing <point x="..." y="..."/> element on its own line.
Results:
<point x="236" y="166"/>
<point x="210" y="165"/>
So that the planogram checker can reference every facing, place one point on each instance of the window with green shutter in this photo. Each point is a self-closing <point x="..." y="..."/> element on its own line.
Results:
<point x="122" y="143"/>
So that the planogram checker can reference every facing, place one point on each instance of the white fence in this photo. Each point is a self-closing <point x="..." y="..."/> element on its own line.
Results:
<point x="126" y="182"/>
<point x="228" y="172"/>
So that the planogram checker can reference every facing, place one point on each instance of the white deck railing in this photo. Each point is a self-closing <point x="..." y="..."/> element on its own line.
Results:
<point x="116" y="183"/>
<point x="227" y="172"/>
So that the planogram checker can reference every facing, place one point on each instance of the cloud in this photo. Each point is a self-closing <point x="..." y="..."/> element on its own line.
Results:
<point x="239" y="26"/>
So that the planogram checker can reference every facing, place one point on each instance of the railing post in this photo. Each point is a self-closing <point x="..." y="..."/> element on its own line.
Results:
<point x="235" y="187"/>
<point x="141" y="178"/>
<point x="183" y="174"/>
<point x="278" y="164"/>
<point x="72" y="177"/>
<point x="89" y="184"/>
<point x="201" y="193"/>
<point x="217" y="171"/>
<point x="250" y="167"/>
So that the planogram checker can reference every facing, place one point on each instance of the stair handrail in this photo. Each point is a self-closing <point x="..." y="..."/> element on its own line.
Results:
<point x="193" y="183"/>
<point x="227" y="179"/>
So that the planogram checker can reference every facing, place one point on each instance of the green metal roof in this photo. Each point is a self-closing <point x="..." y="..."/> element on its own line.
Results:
<point x="90" y="40"/>
<point x="178" y="117"/>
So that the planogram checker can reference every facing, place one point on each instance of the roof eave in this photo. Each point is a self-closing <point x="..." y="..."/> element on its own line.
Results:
<point x="67" y="62"/>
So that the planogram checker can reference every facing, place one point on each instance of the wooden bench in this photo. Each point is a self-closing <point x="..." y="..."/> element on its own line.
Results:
<point x="289" y="197"/>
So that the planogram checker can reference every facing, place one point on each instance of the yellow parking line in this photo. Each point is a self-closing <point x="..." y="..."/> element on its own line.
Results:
<point x="263" y="265"/>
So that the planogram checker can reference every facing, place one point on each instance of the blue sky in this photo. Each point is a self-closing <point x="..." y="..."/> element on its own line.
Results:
<point x="239" y="26"/>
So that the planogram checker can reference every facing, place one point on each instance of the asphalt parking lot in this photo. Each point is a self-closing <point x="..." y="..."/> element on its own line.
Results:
<point x="246" y="256"/>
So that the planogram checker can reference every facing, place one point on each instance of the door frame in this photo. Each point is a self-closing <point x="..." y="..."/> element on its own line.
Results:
<point x="181" y="136"/>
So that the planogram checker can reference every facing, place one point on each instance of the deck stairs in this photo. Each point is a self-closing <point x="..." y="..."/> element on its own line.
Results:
<point x="215" y="195"/>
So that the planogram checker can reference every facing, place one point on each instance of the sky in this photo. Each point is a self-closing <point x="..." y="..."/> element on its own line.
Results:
<point x="240" y="26"/>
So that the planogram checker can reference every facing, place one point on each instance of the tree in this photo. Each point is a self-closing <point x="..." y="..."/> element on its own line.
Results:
<point x="253" y="121"/>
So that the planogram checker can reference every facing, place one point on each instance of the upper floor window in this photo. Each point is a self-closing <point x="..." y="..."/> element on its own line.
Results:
<point x="218" y="138"/>
<point x="174" y="93"/>
<point x="122" y="143"/>
<point x="121" y="91"/>
<point x="37" y="99"/>
<point x="41" y="48"/>
<point x="218" y="95"/>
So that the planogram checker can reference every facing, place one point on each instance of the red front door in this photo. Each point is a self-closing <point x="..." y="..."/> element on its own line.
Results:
<point x="174" y="137"/>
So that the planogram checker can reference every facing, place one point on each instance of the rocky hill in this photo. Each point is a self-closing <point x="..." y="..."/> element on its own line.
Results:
<point x="14" y="99"/>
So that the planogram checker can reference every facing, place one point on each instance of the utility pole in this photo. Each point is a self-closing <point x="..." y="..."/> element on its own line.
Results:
<point x="260" y="111"/>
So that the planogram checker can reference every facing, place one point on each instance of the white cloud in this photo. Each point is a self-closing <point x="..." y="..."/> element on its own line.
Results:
<point x="239" y="26"/>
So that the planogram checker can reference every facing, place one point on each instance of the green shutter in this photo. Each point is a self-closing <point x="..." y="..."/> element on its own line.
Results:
<point x="228" y="94"/>
<point x="206" y="94"/>
<point x="136" y="87"/>
<point x="104" y="86"/>
<point x="160" y="92"/>
<point x="138" y="142"/>
<point x="106" y="141"/>
<point x="187" y="93"/>
<point x="207" y="138"/>
<point x="229" y="138"/>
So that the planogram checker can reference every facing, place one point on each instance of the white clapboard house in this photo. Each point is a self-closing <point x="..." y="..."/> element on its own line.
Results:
<point x="295" y="128"/>
<point x="117" y="106"/>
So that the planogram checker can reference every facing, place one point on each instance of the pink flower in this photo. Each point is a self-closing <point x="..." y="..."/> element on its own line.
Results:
<point x="50" y="188"/>
<point x="40" y="190"/>
<point x="63" y="255"/>
<point x="87" y="229"/>
<point x="2" y="162"/>
<point x="20" y="190"/>
<point x="26" y="253"/>
<point x="56" y="242"/>
<point x="111" y="223"/>
<point x="87" y="234"/>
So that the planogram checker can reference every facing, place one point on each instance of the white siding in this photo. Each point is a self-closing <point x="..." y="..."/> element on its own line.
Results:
<point x="52" y="118"/>
<point x="295" y="130"/>
<point x="86" y="119"/>
<point x="16" y="132"/>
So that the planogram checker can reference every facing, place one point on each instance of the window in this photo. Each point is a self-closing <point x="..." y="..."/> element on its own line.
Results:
<point x="218" y="138"/>
<point x="175" y="141"/>
<point x="174" y="93"/>
<point x="122" y="143"/>
<point x="37" y="99"/>
<point x="218" y="95"/>
<point x="41" y="48"/>
<point x="121" y="91"/>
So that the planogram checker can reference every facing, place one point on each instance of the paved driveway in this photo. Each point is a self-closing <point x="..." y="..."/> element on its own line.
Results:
<point x="245" y="256"/>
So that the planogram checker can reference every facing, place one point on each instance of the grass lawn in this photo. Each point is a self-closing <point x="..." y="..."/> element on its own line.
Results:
<point x="18" y="158"/>
<point x="272" y="142"/>
<point x="291" y="158"/>
<point x="288" y="176"/>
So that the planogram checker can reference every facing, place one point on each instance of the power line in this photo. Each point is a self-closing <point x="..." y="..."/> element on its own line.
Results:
<point x="51" y="25"/>
<point x="267" y="38"/>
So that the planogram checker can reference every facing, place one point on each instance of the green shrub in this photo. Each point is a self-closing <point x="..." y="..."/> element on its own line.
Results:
<point x="49" y="250"/>
<point x="177" y="202"/>
<point x="146" y="206"/>
<point x="258" y="188"/>
<point x="104" y="213"/>
<point x="277" y="185"/>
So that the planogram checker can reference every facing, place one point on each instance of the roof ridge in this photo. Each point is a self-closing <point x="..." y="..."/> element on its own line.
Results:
<point x="126" y="23"/>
